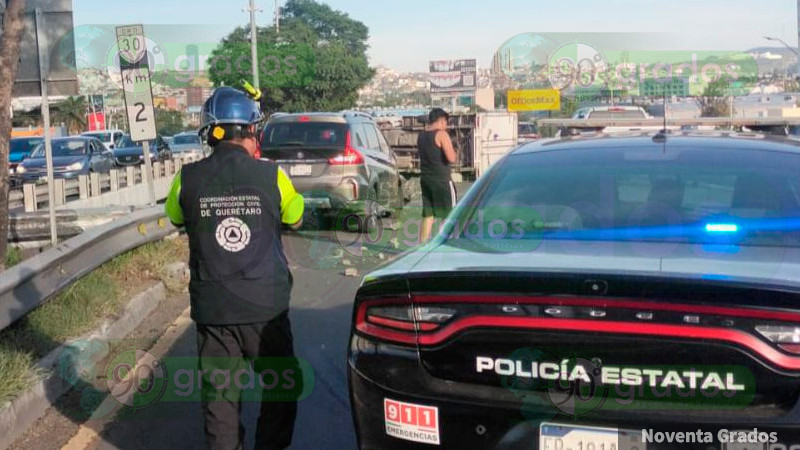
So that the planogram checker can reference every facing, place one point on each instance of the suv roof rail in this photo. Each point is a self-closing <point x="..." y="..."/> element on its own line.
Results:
<point x="357" y="114"/>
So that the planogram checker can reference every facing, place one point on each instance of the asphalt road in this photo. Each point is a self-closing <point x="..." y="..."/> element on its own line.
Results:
<point x="320" y="314"/>
<point x="328" y="267"/>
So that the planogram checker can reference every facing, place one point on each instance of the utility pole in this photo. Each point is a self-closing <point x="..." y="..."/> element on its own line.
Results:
<point x="254" y="43"/>
<point x="278" y="16"/>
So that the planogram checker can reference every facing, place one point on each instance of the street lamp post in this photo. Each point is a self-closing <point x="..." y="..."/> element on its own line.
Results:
<point x="785" y="67"/>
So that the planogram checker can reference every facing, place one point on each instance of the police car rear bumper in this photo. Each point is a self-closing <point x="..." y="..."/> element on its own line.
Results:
<point x="480" y="424"/>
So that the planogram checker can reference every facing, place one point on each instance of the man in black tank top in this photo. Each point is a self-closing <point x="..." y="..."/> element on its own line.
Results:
<point x="436" y="153"/>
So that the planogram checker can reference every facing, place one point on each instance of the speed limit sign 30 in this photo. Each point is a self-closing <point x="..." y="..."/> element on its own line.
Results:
<point x="136" y="85"/>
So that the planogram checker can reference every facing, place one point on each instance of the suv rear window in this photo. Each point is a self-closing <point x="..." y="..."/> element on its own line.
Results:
<point x="686" y="195"/>
<point x="304" y="134"/>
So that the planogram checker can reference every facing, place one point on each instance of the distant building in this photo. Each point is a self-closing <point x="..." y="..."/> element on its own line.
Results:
<point x="674" y="87"/>
<point x="196" y="96"/>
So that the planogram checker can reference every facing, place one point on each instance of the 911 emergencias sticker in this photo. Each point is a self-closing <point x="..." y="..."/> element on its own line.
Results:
<point x="411" y="422"/>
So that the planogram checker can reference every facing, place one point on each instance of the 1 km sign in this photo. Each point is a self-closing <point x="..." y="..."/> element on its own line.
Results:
<point x="135" y="70"/>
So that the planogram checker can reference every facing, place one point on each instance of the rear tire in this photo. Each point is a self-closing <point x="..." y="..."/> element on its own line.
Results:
<point x="366" y="221"/>
<point x="370" y="221"/>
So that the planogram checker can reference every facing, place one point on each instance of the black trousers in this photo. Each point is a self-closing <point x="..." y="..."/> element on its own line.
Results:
<point x="223" y="425"/>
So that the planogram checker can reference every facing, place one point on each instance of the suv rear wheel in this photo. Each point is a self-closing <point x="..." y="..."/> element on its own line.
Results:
<point x="366" y="222"/>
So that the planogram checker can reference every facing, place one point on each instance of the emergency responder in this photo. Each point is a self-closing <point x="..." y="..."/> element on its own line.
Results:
<point x="233" y="206"/>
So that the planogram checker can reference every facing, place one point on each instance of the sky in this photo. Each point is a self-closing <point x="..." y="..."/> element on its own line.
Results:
<point x="405" y="35"/>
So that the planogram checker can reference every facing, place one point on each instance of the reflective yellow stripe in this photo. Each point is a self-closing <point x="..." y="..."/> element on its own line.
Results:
<point x="292" y="204"/>
<point x="173" y="204"/>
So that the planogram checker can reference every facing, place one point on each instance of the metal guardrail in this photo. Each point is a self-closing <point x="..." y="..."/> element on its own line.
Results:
<point x="34" y="196"/>
<point x="34" y="281"/>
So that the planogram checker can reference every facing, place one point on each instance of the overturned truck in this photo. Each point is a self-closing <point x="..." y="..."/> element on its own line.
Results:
<point x="480" y="139"/>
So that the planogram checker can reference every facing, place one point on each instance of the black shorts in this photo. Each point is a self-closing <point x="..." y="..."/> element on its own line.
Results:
<point x="438" y="197"/>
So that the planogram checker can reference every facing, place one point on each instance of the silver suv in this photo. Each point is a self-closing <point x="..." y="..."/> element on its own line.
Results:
<point x="340" y="162"/>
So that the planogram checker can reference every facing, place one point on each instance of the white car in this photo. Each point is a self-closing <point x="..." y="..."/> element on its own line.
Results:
<point x="109" y="138"/>
<point x="617" y="112"/>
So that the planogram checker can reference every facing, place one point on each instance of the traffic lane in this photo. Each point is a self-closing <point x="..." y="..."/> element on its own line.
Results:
<point x="320" y="313"/>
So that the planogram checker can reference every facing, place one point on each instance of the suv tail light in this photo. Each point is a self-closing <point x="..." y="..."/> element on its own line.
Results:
<point x="350" y="157"/>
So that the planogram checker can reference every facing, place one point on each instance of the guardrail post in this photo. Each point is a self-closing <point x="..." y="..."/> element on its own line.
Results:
<point x="178" y="164"/>
<point x="29" y="197"/>
<point x="83" y="187"/>
<point x="156" y="170"/>
<point x="168" y="166"/>
<point x="114" y="179"/>
<point x="61" y="191"/>
<point x="94" y="180"/>
<point x="130" y="176"/>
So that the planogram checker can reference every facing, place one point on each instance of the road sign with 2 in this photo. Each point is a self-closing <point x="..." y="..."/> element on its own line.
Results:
<point x="136" y="85"/>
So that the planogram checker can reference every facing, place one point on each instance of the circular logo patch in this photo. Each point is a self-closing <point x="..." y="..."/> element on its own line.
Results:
<point x="233" y="235"/>
<point x="136" y="378"/>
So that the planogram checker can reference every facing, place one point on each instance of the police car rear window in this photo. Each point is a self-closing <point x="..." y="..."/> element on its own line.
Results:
<point x="697" y="195"/>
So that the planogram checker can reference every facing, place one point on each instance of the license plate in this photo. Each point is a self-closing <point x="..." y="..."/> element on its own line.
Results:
<point x="300" y="170"/>
<point x="42" y="179"/>
<point x="568" y="437"/>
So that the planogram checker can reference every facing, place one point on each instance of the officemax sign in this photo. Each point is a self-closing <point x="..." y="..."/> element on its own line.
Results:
<point x="534" y="100"/>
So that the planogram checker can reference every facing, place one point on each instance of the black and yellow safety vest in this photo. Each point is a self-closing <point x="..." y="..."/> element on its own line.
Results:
<point x="232" y="206"/>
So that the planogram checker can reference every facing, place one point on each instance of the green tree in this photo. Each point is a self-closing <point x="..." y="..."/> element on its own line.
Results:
<point x="501" y="97"/>
<point x="716" y="100"/>
<point x="71" y="112"/>
<point x="329" y="50"/>
<point x="168" y="123"/>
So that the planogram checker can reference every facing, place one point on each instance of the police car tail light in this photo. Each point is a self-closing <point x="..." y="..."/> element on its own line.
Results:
<point x="386" y="321"/>
<point x="434" y="315"/>
<point x="350" y="157"/>
<point x="399" y="317"/>
<point x="785" y="337"/>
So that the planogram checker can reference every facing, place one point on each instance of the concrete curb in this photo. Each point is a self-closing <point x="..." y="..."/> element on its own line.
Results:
<point x="21" y="413"/>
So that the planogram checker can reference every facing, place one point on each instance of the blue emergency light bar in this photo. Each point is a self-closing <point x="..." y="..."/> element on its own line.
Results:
<point x="722" y="228"/>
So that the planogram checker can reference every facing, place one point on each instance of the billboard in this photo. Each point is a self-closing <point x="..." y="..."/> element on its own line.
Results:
<point x="534" y="100"/>
<point x="96" y="121"/>
<point x="53" y="29"/>
<point x="453" y="76"/>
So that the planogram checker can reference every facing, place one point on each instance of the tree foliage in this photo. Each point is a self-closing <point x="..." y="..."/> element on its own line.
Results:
<point x="326" y="66"/>
<point x="71" y="113"/>
<point x="715" y="101"/>
<point x="168" y="122"/>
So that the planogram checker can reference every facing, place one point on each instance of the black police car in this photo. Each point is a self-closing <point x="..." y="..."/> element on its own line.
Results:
<point x="595" y="293"/>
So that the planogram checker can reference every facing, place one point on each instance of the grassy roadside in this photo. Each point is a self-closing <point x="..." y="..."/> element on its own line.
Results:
<point x="80" y="308"/>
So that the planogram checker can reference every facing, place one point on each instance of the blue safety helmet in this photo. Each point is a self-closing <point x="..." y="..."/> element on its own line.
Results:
<point x="229" y="106"/>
